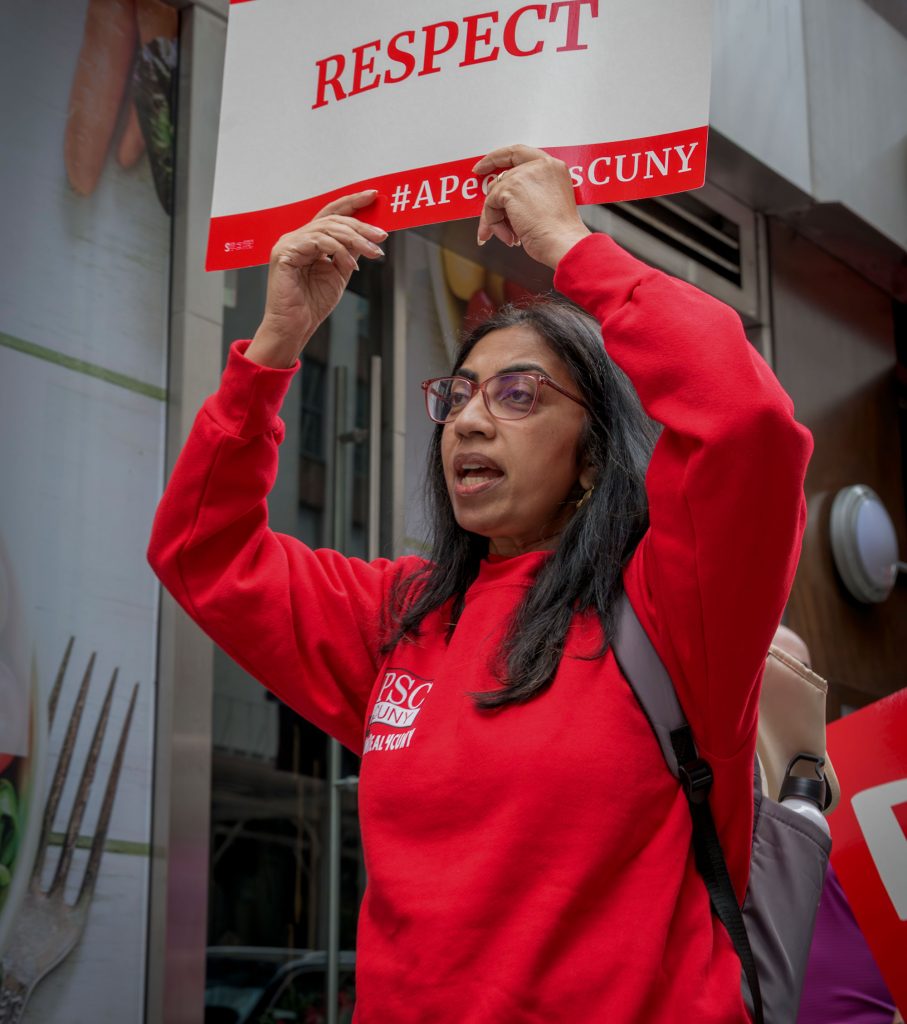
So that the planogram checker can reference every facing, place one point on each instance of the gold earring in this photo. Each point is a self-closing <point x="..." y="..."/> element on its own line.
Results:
<point x="582" y="501"/>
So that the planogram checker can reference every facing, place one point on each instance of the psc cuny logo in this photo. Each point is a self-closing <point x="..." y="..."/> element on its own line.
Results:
<point x="400" y="698"/>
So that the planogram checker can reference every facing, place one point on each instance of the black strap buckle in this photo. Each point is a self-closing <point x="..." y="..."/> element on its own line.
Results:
<point x="696" y="779"/>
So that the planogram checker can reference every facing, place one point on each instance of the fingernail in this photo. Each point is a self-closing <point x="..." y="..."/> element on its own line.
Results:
<point x="381" y="232"/>
<point x="378" y="250"/>
<point x="481" y="241"/>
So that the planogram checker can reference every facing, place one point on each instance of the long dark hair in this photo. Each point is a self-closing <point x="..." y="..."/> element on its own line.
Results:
<point x="584" y="571"/>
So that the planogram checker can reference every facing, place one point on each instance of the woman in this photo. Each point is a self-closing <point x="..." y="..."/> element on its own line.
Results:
<point x="528" y="852"/>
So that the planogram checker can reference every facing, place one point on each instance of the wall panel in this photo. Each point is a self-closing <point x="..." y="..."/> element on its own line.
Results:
<point x="835" y="355"/>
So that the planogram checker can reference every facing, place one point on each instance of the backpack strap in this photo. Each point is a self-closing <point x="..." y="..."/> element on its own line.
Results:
<point x="650" y="682"/>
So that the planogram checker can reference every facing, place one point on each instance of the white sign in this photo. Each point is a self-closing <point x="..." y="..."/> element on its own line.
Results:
<point x="325" y="97"/>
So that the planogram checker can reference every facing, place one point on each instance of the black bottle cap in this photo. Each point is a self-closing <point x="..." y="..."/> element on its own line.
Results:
<point x="812" y="788"/>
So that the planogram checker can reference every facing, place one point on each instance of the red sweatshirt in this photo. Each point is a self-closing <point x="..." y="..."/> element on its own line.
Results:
<point x="532" y="865"/>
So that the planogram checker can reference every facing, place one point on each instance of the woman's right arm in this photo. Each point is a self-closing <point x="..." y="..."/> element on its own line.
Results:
<point x="306" y="623"/>
<point x="308" y="273"/>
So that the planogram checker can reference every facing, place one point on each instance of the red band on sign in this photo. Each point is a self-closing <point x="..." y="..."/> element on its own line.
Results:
<point x="602" y="173"/>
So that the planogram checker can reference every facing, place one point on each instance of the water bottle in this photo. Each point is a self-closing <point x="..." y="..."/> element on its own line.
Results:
<point x="806" y="794"/>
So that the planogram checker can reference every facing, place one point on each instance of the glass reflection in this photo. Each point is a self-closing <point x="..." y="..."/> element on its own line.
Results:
<point x="267" y="918"/>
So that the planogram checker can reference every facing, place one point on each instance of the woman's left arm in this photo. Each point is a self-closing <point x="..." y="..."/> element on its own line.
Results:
<point x="725" y="485"/>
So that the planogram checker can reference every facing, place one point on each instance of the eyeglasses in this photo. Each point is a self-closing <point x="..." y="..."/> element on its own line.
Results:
<point x="507" y="396"/>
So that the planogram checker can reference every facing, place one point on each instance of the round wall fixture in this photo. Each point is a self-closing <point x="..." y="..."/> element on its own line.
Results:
<point x="864" y="543"/>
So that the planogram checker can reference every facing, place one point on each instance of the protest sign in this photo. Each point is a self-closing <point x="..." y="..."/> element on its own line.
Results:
<point x="869" y="829"/>
<point x="324" y="98"/>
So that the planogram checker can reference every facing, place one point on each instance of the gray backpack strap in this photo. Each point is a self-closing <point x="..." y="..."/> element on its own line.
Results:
<point x="650" y="682"/>
<point x="648" y="679"/>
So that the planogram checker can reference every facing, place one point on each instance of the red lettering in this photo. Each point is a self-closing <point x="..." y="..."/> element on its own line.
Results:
<point x="473" y="38"/>
<point x="333" y="81"/>
<point x="478" y="39"/>
<point x="432" y="49"/>
<point x="573" y="19"/>
<point x="362" y="66"/>
<point x="510" y="43"/>
<point x="400" y="57"/>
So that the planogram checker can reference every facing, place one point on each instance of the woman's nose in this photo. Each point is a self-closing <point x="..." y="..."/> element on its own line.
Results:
<point x="474" y="417"/>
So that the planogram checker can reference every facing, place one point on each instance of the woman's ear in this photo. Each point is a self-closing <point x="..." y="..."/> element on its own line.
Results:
<point x="588" y="474"/>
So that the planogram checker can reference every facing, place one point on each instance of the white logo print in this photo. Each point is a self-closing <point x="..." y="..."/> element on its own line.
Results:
<point x="400" y="699"/>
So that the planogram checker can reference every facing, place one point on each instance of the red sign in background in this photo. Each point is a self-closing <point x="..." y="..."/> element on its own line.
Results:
<point x="869" y="829"/>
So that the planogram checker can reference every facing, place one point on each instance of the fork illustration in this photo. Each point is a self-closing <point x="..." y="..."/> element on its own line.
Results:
<point x="47" y="927"/>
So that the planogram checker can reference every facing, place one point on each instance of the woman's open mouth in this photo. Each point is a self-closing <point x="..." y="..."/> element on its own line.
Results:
<point x="475" y="475"/>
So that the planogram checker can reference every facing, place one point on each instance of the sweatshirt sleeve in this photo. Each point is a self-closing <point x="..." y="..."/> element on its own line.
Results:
<point x="305" y="623"/>
<point x="725" y="485"/>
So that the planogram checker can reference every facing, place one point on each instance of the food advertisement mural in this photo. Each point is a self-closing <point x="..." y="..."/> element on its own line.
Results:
<point x="86" y="183"/>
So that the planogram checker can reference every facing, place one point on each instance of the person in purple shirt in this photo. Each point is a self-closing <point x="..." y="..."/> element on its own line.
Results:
<point x="843" y="984"/>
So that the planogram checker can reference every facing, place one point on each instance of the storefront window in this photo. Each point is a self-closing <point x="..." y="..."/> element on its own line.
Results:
<point x="271" y="848"/>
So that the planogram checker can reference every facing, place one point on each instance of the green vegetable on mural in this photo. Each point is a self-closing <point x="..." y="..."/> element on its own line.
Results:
<point x="9" y="835"/>
<point x="107" y="58"/>
<point x="152" y="92"/>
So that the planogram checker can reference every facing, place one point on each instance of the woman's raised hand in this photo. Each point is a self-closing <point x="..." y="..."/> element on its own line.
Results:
<point x="308" y="272"/>
<point x="531" y="203"/>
